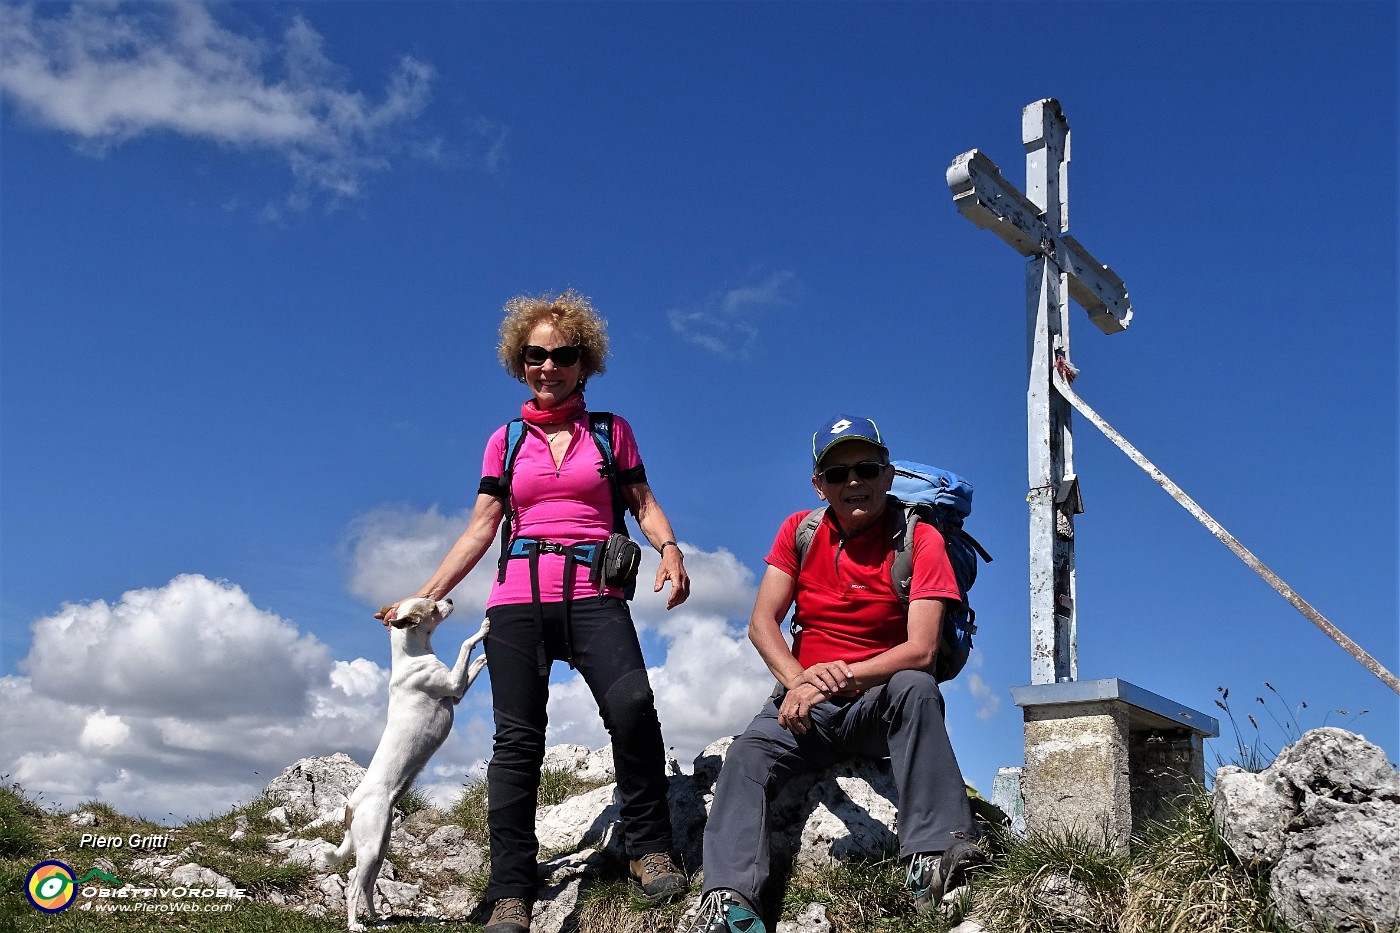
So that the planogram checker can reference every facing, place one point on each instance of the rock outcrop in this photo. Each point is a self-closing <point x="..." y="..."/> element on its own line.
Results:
<point x="1324" y="821"/>
<point x="316" y="786"/>
<point x="844" y="812"/>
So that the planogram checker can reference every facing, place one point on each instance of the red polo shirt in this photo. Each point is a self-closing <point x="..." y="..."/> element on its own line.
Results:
<point x="847" y="609"/>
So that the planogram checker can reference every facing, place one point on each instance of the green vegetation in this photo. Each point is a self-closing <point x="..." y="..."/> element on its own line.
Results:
<point x="1179" y="878"/>
<point x="469" y="811"/>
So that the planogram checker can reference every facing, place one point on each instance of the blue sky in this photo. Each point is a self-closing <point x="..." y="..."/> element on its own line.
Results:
<point x="252" y="258"/>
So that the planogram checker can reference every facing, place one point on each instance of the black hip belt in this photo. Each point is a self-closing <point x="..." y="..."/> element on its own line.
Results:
<point x="588" y="553"/>
<point x="585" y="553"/>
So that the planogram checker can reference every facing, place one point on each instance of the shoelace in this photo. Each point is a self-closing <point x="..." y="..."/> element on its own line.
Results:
<point x="711" y="909"/>
<point x="657" y="863"/>
<point x="511" y="910"/>
<point x="921" y="871"/>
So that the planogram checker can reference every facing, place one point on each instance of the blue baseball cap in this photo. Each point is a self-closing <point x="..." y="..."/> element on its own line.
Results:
<point x="840" y="428"/>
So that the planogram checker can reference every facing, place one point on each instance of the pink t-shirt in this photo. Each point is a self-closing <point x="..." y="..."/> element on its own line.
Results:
<point x="567" y="504"/>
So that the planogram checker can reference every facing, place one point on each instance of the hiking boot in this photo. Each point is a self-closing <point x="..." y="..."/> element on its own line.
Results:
<point x="511" y="915"/>
<point x="725" y="911"/>
<point x="657" y="877"/>
<point x="933" y="874"/>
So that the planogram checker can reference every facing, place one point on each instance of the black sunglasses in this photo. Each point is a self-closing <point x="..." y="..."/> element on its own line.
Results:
<point x="866" y="469"/>
<point x="562" y="356"/>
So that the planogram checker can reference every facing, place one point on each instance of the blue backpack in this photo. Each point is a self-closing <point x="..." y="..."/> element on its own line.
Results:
<point x="922" y="493"/>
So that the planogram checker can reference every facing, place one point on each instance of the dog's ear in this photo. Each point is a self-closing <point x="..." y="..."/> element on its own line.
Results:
<point x="411" y="612"/>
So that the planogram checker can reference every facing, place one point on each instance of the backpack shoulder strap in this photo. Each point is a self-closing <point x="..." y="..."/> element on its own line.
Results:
<point x="806" y="531"/>
<point x="600" y="426"/>
<point x="902" y="568"/>
<point x="515" y="434"/>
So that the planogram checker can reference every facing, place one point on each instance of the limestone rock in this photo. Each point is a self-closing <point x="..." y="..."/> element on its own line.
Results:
<point x="1251" y="811"/>
<point x="688" y="801"/>
<point x="839" y="813"/>
<point x="582" y="762"/>
<point x="582" y="821"/>
<point x="708" y="763"/>
<point x="83" y="818"/>
<point x="811" y="920"/>
<point x="1325" y="818"/>
<point x="299" y="851"/>
<point x="312" y="786"/>
<point x="555" y="905"/>
<point x="157" y="866"/>
<point x="968" y="926"/>
<point x="1343" y="875"/>
<point x="197" y="876"/>
<point x="400" y="896"/>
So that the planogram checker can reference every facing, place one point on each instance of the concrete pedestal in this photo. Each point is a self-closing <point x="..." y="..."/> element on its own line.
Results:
<point x="1103" y="757"/>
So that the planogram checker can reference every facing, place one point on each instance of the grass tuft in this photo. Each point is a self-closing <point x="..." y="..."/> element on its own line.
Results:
<point x="469" y="811"/>
<point x="1070" y="883"/>
<point x="1185" y="880"/>
<point x="1256" y="753"/>
<point x="557" y="786"/>
<point x="413" y="801"/>
<point x="614" y="906"/>
<point x="19" y="816"/>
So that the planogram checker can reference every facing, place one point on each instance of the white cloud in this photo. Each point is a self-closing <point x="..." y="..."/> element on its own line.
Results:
<point x="394" y="550"/>
<point x="187" y="699"/>
<point x="103" y="731"/>
<point x="720" y="585"/>
<point x="107" y="73"/>
<point x="166" y="649"/>
<point x="988" y="699"/>
<point x="726" y="323"/>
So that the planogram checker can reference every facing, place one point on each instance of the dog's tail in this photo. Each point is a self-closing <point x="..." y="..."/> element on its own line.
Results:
<point x="336" y="858"/>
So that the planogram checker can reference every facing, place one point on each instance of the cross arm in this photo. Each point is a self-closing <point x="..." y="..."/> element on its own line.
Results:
<point x="1094" y="286"/>
<point x="985" y="197"/>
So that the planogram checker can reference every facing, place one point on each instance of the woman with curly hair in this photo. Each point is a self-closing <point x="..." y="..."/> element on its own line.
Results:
<point x="559" y="477"/>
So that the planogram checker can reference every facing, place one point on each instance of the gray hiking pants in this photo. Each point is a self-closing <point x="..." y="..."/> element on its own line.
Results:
<point x="902" y="719"/>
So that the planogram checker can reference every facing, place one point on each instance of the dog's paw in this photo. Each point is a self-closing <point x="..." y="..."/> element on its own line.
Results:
<point x="327" y="857"/>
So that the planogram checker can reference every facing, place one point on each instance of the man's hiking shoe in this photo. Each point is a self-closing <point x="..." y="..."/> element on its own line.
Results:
<point x="725" y="911"/>
<point x="657" y="877"/>
<point x="511" y="915"/>
<point x="932" y="875"/>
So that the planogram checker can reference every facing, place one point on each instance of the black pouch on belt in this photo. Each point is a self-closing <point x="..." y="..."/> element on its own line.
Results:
<point x="621" y="558"/>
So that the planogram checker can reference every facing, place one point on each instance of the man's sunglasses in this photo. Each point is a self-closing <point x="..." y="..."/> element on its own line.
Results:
<point x="866" y="469"/>
<point x="562" y="356"/>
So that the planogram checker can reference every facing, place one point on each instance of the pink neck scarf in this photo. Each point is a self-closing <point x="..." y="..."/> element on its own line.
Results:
<point x="571" y="409"/>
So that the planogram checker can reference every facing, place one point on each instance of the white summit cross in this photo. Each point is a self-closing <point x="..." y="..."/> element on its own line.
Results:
<point x="1060" y="268"/>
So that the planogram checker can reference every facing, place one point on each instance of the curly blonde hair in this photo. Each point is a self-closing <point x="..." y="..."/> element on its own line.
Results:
<point x="571" y="314"/>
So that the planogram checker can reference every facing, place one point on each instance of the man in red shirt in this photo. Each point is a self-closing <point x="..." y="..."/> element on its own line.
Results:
<point x="857" y="680"/>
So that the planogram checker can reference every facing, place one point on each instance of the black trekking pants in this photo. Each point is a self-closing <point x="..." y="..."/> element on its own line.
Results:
<point x="607" y="654"/>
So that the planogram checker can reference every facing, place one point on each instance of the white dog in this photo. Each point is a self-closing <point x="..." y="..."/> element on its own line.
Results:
<point x="422" y="694"/>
